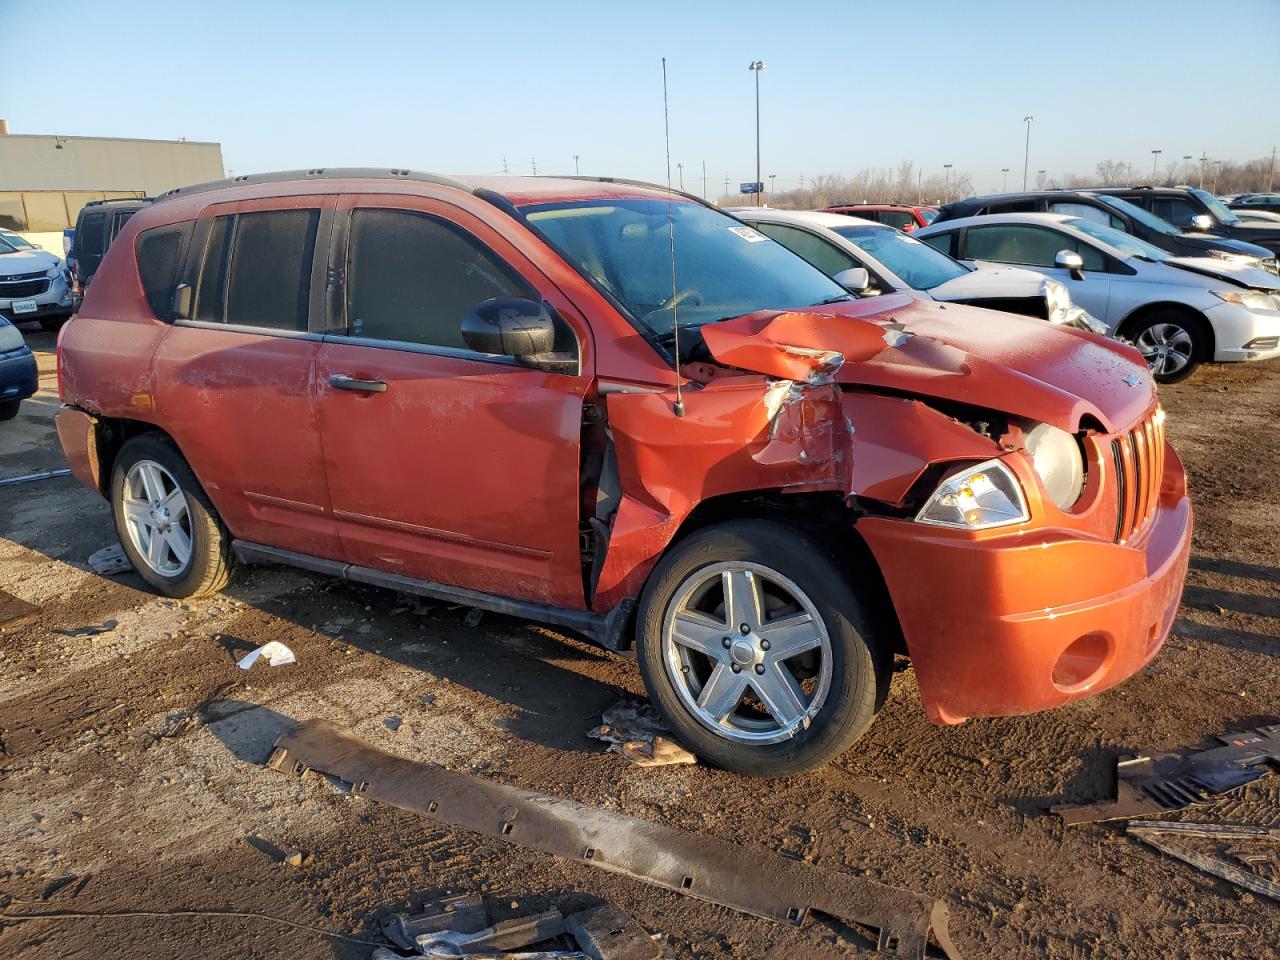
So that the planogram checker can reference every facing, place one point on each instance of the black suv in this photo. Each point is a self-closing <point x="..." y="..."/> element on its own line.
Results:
<point x="1185" y="206"/>
<point x="96" y="226"/>
<point x="1114" y="211"/>
<point x="1269" y="202"/>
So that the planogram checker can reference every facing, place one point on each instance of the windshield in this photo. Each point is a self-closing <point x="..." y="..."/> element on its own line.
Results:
<point x="6" y="246"/>
<point x="1220" y="210"/>
<point x="928" y="214"/>
<point x="1144" y="217"/>
<point x="723" y="268"/>
<point x="1126" y="243"/>
<point x="920" y="266"/>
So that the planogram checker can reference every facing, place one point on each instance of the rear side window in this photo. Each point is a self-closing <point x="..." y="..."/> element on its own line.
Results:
<point x="946" y="242"/>
<point x="825" y="256"/>
<point x="257" y="269"/>
<point x="159" y="257"/>
<point x="1177" y="211"/>
<point x="1026" y="245"/>
<point x="117" y="223"/>
<point x="897" y="218"/>
<point x="411" y="278"/>
<point x="91" y="241"/>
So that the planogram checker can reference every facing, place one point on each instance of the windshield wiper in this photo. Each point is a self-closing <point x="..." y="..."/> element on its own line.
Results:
<point x="840" y="299"/>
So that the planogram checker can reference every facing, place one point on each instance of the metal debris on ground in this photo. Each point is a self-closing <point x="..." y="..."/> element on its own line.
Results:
<point x="465" y="914"/>
<point x="751" y="879"/>
<point x="29" y="477"/>
<point x="1162" y="782"/>
<point x="275" y="652"/>
<point x="507" y="935"/>
<point x="634" y="729"/>
<point x="109" y="560"/>
<point x="1154" y="832"/>
<point x="90" y="630"/>
<point x="608" y="932"/>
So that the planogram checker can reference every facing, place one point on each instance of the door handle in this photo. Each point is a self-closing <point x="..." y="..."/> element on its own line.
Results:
<point x="343" y="381"/>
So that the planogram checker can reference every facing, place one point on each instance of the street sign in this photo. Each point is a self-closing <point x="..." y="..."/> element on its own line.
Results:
<point x="757" y="187"/>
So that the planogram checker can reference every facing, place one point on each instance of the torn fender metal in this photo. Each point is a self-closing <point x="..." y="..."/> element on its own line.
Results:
<point x="738" y="433"/>
<point x="1163" y="782"/>
<point x="749" y="879"/>
<point x="808" y="347"/>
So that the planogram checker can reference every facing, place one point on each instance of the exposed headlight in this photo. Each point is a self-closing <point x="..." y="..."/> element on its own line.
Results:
<point x="1271" y="265"/>
<point x="1080" y="318"/>
<point x="1057" y="299"/>
<point x="976" y="498"/>
<point x="1058" y="462"/>
<point x="1250" y="299"/>
<point x="1234" y="257"/>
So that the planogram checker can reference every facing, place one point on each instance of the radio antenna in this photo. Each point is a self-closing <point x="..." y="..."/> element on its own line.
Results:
<point x="671" y="236"/>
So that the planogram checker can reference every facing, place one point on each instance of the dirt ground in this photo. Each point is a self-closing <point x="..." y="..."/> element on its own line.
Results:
<point x="133" y="760"/>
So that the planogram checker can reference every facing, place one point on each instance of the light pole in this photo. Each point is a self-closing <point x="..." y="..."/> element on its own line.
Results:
<point x="576" y="171"/>
<point x="1217" y="169"/>
<point x="1155" y="158"/>
<point x="1204" y="158"/>
<point x="1186" y="167"/>
<point x="680" y="169"/>
<point x="773" y="186"/>
<point x="1040" y="179"/>
<point x="1005" y="171"/>
<point x="1026" y="156"/>
<point x="947" y="180"/>
<point x="756" y="67"/>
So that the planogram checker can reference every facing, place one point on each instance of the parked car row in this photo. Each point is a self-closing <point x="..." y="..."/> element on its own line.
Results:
<point x="620" y="410"/>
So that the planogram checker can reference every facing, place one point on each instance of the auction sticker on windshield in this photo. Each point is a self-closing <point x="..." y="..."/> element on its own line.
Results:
<point x="747" y="234"/>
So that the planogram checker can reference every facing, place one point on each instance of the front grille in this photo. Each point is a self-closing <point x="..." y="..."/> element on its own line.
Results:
<point x="1139" y="459"/>
<point x="26" y="288"/>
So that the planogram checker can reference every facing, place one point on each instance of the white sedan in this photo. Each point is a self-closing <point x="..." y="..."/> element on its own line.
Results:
<point x="1179" y="311"/>
<point x="871" y="258"/>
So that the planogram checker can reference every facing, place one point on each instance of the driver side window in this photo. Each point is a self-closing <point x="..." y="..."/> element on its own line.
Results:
<point x="827" y="257"/>
<point x="1026" y="246"/>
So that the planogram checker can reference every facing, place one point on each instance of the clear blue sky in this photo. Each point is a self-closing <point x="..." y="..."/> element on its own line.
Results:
<point x="453" y="87"/>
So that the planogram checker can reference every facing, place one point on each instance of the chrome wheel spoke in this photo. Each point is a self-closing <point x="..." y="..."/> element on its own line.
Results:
<point x="179" y="544"/>
<point x="741" y="598"/>
<point x="157" y="518"/>
<point x="699" y="632"/>
<point x="152" y="485"/>
<point x="155" y="548"/>
<point x="781" y="694"/>
<point x="791" y="636"/>
<point x="137" y="511"/>
<point x="722" y="692"/>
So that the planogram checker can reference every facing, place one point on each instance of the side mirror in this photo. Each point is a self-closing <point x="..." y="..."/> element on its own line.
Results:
<point x="182" y="302"/>
<point x="1071" y="262"/>
<point x="510" y="327"/>
<point x="855" y="279"/>
<point x="1202" y="222"/>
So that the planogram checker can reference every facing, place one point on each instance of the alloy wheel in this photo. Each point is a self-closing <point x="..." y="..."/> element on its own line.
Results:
<point x="157" y="518"/>
<point x="747" y="652"/>
<point x="1167" y="348"/>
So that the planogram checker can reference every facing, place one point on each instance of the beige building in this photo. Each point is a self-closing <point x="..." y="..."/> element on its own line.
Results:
<point x="45" y="180"/>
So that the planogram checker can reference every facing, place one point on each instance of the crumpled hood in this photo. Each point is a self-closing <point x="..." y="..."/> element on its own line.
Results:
<point x="1233" y="271"/>
<point x="999" y="361"/>
<point x="985" y="282"/>
<point x="26" y="261"/>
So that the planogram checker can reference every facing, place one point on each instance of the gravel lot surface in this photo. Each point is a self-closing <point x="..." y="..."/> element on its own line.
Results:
<point x="133" y="759"/>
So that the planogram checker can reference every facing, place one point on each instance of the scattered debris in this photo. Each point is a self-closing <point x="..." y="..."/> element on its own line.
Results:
<point x="295" y="858"/>
<point x="91" y="630"/>
<point x="28" y="477"/>
<point x="1163" y="782"/>
<point x="465" y="913"/>
<point x="634" y="729"/>
<point x="13" y="609"/>
<point x="1151" y="832"/>
<point x="507" y="935"/>
<point x="276" y="653"/>
<point x="109" y="560"/>
<point x="608" y="932"/>
<point x="473" y="617"/>
<point x="753" y="880"/>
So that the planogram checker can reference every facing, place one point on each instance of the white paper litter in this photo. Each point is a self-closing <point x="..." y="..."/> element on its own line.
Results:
<point x="276" y="653"/>
<point x="109" y="560"/>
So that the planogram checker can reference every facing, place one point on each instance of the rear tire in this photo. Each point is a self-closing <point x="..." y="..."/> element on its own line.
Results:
<point x="9" y="409"/>
<point x="52" y="324"/>
<point x="166" y="524"/>
<point x="1173" y="343"/>
<point x="800" y="598"/>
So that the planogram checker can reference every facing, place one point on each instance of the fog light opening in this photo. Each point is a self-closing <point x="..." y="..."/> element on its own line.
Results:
<point x="1082" y="662"/>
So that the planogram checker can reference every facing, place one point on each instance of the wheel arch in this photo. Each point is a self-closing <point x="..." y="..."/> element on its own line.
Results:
<point x="110" y="435"/>
<point x="1130" y="323"/>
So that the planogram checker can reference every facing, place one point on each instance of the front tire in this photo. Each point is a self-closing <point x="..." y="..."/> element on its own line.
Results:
<point x="54" y="323"/>
<point x="169" y="529"/>
<point x="757" y="651"/>
<point x="9" y="409"/>
<point x="1174" y="344"/>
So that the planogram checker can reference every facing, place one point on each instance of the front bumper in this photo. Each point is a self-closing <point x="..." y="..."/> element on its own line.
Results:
<point x="19" y="377"/>
<point x="1243" y="334"/>
<point x="1031" y="620"/>
<point x="54" y="301"/>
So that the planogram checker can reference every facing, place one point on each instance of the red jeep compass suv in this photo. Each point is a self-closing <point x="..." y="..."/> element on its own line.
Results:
<point x="470" y="389"/>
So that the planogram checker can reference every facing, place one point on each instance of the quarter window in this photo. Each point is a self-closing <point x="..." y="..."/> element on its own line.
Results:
<point x="257" y="269"/>
<point x="1177" y="211"/>
<point x="1030" y="246"/>
<point x="897" y="218"/>
<point x="91" y="241"/>
<point x="411" y="278"/>
<point x="159" y="253"/>
<point x="825" y="256"/>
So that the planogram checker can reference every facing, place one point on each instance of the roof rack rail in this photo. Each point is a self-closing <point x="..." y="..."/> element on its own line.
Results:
<point x="632" y="183"/>
<point x="98" y="203"/>
<point x="315" y="173"/>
